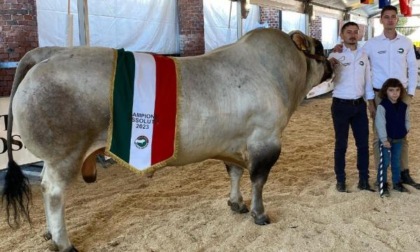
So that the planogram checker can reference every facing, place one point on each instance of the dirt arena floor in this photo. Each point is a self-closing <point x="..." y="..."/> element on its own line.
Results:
<point x="185" y="208"/>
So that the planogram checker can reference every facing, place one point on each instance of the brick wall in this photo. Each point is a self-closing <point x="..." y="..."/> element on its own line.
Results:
<point x="18" y="34"/>
<point x="315" y="28"/>
<point x="271" y="16"/>
<point x="191" y="26"/>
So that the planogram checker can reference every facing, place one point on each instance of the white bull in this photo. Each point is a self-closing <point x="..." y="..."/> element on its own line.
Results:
<point x="237" y="100"/>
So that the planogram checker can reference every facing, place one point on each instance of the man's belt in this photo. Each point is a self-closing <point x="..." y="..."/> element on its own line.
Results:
<point x="349" y="101"/>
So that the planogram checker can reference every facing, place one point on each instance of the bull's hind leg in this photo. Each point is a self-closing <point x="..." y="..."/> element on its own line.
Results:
<point x="235" y="200"/>
<point x="262" y="159"/>
<point x="54" y="182"/>
<point x="47" y="235"/>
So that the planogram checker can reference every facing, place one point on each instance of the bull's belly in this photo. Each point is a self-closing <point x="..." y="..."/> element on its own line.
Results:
<point x="201" y="145"/>
<point x="184" y="158"/>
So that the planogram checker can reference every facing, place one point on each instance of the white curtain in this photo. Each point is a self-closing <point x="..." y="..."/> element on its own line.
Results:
<point x="136" y="25"/>
<point x="291" y="21"/>
<point x="329" y="32"/>
<point x="218" y="31"/>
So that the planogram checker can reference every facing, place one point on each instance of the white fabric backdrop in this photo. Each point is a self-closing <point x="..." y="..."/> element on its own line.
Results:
<point x="329" y="32"/>
<point x="217" y="31"/>
<point x="137" y="25"/>
<point x="293" y="21"/>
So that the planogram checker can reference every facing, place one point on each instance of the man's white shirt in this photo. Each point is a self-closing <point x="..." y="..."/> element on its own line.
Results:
<point x="392" y="59"/>
<point x="352" y="79"/>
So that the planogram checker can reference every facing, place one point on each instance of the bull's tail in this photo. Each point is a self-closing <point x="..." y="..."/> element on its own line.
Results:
<point x="16" y="195"/>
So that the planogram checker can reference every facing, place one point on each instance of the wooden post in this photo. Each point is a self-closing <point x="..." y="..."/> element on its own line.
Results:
<point x="82" y="9"/>
<point x="239" y="19"/>
<point x="69" y="26"/>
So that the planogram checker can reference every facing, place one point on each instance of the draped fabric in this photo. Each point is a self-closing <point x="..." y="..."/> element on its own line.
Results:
<point x="145" y="26"/>
<point x="144" y="111"/>
<point x="406" y="7"/>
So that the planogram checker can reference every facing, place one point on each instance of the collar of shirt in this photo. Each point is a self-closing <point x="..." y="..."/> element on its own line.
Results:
<point x="382" y="36"/>
<point x="346" y="49"/>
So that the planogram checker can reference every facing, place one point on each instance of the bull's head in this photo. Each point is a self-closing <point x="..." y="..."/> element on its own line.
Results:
<point x="312" y="48"/>
<point x="319" y="50"/>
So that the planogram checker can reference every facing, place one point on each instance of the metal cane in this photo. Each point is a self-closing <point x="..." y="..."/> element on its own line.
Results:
<point x="381" y="171"/>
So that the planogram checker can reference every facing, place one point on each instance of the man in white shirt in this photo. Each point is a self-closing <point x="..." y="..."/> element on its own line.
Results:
<point x="392" y="55"/>
<point x="352" y="83"/>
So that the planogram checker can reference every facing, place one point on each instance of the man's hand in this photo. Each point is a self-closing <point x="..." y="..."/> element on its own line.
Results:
<point x="338" y="48"/>
<point x="334" y="62"/>
<point x="372" y="108"/>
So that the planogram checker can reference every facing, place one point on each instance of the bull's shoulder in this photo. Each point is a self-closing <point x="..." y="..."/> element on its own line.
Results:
<point x="264" y="34"/>
<point x="266" y="38"/>
<point x="262" y="49"/>
<point x="257" y="39"/>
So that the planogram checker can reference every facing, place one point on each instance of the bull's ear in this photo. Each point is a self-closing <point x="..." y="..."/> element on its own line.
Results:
<point x="300" y="40"/>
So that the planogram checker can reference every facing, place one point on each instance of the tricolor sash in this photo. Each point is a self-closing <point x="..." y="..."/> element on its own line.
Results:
<point x="142" y="131"/>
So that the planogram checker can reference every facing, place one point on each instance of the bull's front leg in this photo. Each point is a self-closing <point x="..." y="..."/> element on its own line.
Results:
<point x="235" y="201"/>
<point x="261" y="162"/>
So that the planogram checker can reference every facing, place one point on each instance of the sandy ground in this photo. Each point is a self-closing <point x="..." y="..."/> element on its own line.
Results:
<point x="185" y="208"/>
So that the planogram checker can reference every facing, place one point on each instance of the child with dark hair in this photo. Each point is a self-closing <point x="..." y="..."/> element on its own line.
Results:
<point x="392" y="124"/>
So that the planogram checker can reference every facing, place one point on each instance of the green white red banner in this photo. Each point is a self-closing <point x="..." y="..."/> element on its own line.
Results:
<point x="142" y="133"/>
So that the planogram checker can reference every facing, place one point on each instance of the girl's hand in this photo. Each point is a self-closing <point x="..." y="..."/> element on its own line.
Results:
<point x="386" y="144"/>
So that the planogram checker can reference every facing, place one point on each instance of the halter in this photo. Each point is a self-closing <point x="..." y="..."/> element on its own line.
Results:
<point x="314" y="56"/>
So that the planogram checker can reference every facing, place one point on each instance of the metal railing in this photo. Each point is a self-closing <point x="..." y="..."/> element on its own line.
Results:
<point x="12" y="64"/>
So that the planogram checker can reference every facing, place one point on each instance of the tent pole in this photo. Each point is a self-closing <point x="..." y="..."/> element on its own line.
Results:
<point x="239" y="19"/>
<point x="82" y="10"/>
<point x="69" y="26"/>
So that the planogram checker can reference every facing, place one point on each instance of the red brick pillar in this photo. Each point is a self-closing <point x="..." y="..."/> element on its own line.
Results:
<point x="18" y="34"/>
<point x="271" y="16"/>
<point x="191" y="26"/>
<point x="315" y="28"/>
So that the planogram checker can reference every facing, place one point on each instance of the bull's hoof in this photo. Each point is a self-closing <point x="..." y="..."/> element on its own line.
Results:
<point x="71" y="249"/>
<point x="262" y="219"/>
<point x="47" y="236"/>
<point x="53" y="247"/>
<point x="236" y="207"/>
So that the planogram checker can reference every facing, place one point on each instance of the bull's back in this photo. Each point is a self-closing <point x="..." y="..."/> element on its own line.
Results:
<point x="62" y="103"/>
<point x="233" y="95"/>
